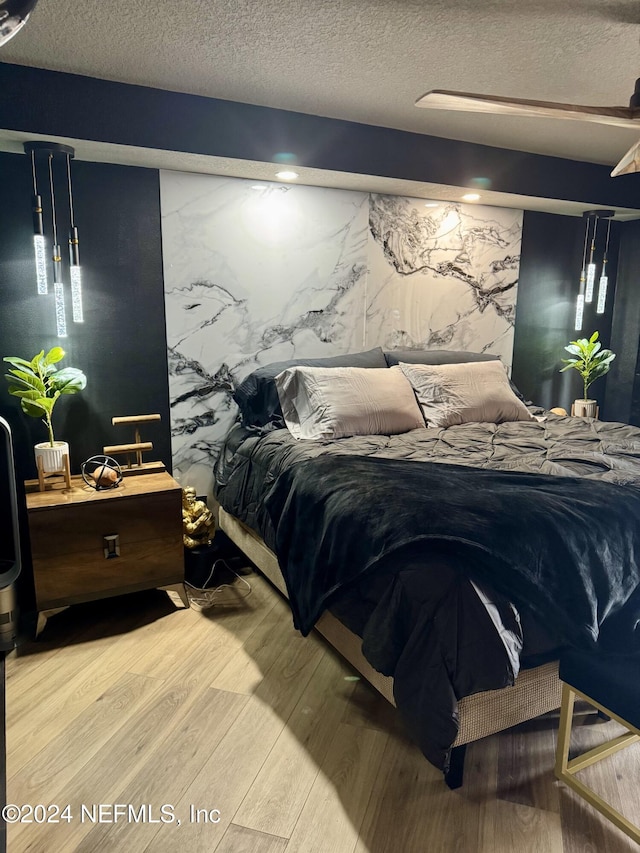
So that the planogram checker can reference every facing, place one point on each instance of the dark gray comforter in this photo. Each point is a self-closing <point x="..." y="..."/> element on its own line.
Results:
<point x="428" y="615"/>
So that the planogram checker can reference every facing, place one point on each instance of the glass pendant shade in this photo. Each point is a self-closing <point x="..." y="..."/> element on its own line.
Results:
<point x="40" y="252"/>
<point x="58" y="291"/>
<point x="61" y="318"/>
<point x="579" y="312"/>
<point x="602" y="294"/>
<point x="591" y="278"/>
<point x="76" y="293"/>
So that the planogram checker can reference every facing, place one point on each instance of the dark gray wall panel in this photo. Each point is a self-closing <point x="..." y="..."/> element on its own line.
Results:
<point x="549" y="275"/>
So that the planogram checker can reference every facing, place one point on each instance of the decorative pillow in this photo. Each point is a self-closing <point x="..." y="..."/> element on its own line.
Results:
<point x="334" y="402"/>
<point x="476" y="391"/>
<point x="441" y="356"/>
<point x="257" y="397"/>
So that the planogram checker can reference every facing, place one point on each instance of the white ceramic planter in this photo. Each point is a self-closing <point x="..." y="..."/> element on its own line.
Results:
<point x="585" y="408"/>
<point x="52" y="457"/>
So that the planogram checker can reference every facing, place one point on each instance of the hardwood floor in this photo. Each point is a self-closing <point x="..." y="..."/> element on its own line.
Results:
<point x="270" y="740"/>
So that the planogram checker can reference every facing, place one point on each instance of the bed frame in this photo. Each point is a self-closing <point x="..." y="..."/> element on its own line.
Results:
<point x="536" y="691"/>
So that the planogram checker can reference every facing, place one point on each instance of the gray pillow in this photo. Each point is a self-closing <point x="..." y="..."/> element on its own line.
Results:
<point x="442" y="356"/>
<point x="472" y="392"/>
<point x="335" y="402"/>
<point x="257" y="397"/>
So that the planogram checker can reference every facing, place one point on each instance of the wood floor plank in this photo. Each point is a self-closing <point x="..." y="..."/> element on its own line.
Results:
<point x="166" y="775"/>
<point x="246" y="666"/>
<point x="287" y="677"/>
<point x="369" y="708"/>
<point x="335" y="808"/>
<point x="70" y="634"/>
<point x="202" y="631"/>
<point x="526" y="766"/>
<point x="55" y="765"/>
<point x="274" y="802"/>
<point x="406" y="785"/>
<point x="112" y="768"/>
<point x="72" y="692"/>
<point x="224" y="780"/>
<point x="523" y="828"/>
<point x="239" y="839"/>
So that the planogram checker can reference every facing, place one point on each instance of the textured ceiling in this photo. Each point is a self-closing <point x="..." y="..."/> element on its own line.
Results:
<point x="363" y="60"/>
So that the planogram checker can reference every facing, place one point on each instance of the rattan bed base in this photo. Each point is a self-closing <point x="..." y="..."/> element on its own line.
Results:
<point x="535" y="692"/>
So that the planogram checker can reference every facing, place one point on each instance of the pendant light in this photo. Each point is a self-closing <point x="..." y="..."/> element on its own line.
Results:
<point x="58" y="289"/>
<point x="581" y="289"/>
<point x="589" y="269"/>
<point x="604" y="279"/>
<point x="74" y="256"/>
<point x="53" y="151"/>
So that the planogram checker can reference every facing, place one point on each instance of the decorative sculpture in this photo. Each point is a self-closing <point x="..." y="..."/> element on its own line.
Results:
<point x="197" y="520"/>
<point x="101" y="472"/>
<point x="137" y="447"/>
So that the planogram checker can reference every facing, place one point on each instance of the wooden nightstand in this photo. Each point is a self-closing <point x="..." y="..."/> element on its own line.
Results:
<point x="87" y="544"/>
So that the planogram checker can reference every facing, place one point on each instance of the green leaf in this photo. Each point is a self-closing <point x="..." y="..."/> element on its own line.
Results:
<point x="33" y="408"/>
<point x="574" y="349"/>
<point x="20" y="392"/>
<point x="593" y="338"/>
<point x="27" y="379"/>
<point x="17" y="362"/>
<point x="69" y="380"/>
<point x="54" y="355"/>
<point x="35" y="361"/>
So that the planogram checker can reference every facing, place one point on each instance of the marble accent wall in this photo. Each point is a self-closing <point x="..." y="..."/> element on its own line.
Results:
<point x="260" y="272"/>
<point x="442" y="277"/>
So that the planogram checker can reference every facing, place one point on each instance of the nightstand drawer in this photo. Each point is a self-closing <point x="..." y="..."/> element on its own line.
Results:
<point x="82" y="527"/>
<point x="85" y="575"/>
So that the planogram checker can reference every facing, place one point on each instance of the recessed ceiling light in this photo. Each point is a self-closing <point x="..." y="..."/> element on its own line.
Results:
<point x="287" y="175"/>
<point x="471" y="197"/>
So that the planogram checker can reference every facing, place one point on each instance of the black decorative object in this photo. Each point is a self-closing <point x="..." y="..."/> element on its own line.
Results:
<point x="101" y="472"/>
<point x="14" y="14"/>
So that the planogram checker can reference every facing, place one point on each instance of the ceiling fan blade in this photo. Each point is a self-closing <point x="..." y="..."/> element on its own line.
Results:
<point x="630" y="162"/>
<point x="440" y="99"/>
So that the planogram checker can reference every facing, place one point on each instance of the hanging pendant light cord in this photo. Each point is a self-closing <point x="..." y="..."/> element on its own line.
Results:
<point x="33" y="172"/>
<point x="584" y="252"/>
<point x="53" y="202"/>
<point x="606" y="246"/>
<point x="73" y="224"/>
<point x="593" y="240"/>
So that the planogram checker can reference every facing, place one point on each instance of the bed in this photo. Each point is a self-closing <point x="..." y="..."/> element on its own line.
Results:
<point x="447" y="563"/>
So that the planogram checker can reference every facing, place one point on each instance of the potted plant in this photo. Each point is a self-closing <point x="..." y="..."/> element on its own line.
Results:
<point x="591" y="362"/>
<point x="39" y="384"/>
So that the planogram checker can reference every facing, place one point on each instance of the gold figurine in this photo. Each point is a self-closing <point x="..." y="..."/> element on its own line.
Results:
<point x="198" y="524"/>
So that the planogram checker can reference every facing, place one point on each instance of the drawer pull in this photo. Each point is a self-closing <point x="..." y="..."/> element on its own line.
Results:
<point x="111" y="546"/>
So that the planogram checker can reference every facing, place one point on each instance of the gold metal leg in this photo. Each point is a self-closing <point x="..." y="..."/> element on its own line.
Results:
<point x="566" y="770"/>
